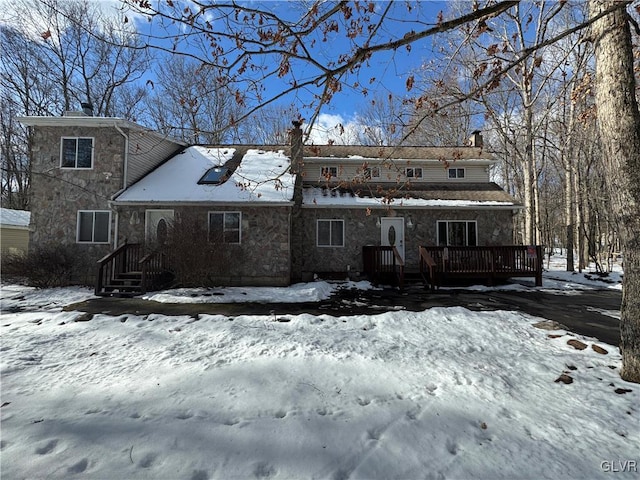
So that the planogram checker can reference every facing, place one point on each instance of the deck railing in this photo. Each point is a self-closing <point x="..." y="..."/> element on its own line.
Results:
<point x="482" y="262"/>
<point x="382" y="263"/>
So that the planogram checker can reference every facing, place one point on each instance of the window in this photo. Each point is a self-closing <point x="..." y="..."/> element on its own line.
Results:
<point x="330" y="233"/>
<point x="457" y="234"/>
<point x="93" y="226"/>
<point x="329" y="172"/>
<point x="413" y="172"/>
<point x="456" y="173"/>
<point x="215" y="176"/>
<point x="76" y="152"/>
<point x="375" y="172"/>
<point x="225" y="227"/>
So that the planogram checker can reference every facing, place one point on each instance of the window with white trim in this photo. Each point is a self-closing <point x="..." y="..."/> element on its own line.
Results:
<point x="225" y="227"/>
<point x="329" y="172"/>
<point x="456" y="233"/>
<point x="413" y="172"/>
<point x="330" y="233"/>
<point x="456" y="173"/>
<point x="94" y="226"/>
<point x="76" y="152"/>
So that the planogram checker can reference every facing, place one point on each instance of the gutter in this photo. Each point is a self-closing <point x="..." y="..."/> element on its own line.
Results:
<point x="124" y="181"/>
<point x="126" y="155"/>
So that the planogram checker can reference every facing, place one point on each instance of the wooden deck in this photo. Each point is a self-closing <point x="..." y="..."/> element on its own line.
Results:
<point x="441" y="264"/>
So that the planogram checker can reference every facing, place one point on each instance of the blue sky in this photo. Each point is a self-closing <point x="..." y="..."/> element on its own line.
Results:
<point x="385" y="73"/>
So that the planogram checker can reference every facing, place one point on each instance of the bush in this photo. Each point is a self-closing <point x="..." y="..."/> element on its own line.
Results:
<point x="44" y="267"/>
<point x="196" y="260"/>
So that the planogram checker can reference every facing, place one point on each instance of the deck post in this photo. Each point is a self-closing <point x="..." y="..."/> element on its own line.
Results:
<point x="539" y="260"/>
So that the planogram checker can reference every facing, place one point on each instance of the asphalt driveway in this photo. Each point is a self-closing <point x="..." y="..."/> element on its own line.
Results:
<point x="591" y="312"/>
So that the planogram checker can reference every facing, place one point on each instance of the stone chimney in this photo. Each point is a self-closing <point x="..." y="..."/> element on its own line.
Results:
<point x="296" y="147"/>
<point x="476" y="139"/>
<point x="297" y="220"/>
<point x="87" y="108"/>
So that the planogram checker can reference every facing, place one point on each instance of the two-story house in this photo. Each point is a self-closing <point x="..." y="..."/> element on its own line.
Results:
<point x="279" y="213"/>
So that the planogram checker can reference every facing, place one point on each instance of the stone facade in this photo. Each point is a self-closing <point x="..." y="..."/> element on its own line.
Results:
<point x="262" y="257"/>
<point x="279" y="243"/>
<point x="494" y="227"/>
<point x="58" y="194"/>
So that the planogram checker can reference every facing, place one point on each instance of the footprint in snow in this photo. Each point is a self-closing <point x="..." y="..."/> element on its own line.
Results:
<point x="147" y="460"/>
<point x="47" y="448"/>
<point x="79" y="467"/>
<point x="452" y="447"/>
<point x="264" y="470"/>
<point x="199" y="475"/>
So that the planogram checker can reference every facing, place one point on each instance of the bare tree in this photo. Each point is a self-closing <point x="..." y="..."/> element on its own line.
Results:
<point x="82" y="54"/>
<point x="192" y="101"/>
<point x="619" y="125"/>
<point x="254" y="43"/>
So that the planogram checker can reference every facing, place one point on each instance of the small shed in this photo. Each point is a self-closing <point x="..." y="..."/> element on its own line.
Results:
<point x="14" y="231"/>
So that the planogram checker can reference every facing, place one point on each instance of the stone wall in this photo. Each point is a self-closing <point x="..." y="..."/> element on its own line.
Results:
<point x="57" y="194"/>
<point x="495" y="227"/>
<point x="262" y="258"/>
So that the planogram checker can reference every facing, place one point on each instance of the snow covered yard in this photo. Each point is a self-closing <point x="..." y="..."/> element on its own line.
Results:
<point x="445" y="394"/>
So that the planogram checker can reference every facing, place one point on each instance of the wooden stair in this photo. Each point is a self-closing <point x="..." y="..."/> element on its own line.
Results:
<point x="128" y="271"/>
<point x="126" y="284"/>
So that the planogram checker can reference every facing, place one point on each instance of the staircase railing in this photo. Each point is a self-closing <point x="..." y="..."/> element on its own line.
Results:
<point x="123" y="259"/>
<point x="383" y="261"/>
<point x="152" y="266"/>
<point x="428" y="268"/>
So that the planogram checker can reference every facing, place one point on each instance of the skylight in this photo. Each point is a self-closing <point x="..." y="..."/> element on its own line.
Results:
<point x="215" y="176"/>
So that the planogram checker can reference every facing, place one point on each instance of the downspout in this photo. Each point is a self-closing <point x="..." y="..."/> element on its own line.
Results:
<point x="124" y="181"/>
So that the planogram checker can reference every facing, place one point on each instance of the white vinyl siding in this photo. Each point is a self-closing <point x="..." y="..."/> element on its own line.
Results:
<point x="348" y="170"/>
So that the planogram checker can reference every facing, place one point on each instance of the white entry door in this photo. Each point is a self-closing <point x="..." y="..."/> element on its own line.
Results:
<point x="157" y="223"/>
<point x="392" y="233"/>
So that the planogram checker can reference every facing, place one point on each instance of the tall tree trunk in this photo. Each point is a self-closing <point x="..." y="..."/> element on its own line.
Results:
<point x="619" y="125"/>
<point x="529" y="172"/>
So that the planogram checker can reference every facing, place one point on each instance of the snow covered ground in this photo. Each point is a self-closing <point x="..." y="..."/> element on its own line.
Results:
<point x="442" y="394"/>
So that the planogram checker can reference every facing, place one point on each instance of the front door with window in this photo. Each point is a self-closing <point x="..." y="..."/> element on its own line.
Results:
<point x="392" y="233"/>
<point x="157" y="224"/>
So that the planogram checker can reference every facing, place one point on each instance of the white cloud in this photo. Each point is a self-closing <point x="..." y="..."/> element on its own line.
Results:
<point x="335" y="129"/>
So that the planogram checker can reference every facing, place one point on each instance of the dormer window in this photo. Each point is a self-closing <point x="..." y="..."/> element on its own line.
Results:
<point x="413" y="172"/>
<point x="215" y="176"/>
<point x="456" y="173"/>
<point x="76" y="152"/>
<point x="329" y="172"/>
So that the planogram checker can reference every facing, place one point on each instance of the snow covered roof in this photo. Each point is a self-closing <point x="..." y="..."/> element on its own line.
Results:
<point x="14" y="218"/>
<point x="82" y="120"/>
<point x="359" y="152"/>
<point x="470" y="195"/>
<point x="262" y="177"/>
